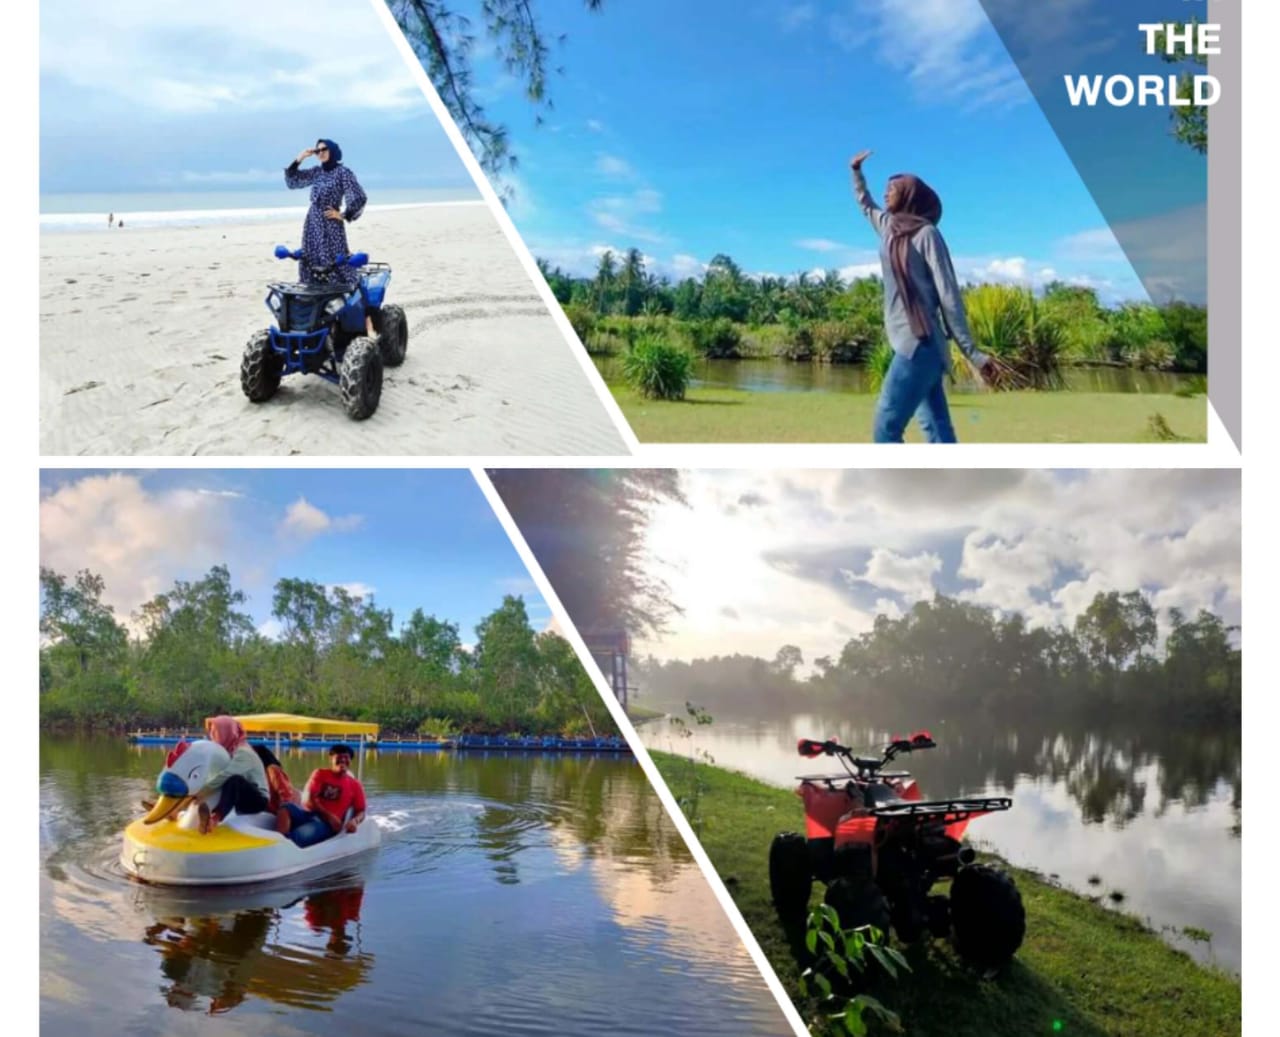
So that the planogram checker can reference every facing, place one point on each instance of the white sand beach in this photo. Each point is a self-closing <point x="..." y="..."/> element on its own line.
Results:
<point x="142" y="329"/>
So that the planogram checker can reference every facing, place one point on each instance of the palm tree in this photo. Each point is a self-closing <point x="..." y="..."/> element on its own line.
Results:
<point x="606" y="275"/>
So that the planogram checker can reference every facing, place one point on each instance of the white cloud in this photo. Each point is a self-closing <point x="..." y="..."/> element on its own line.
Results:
<point x="947" y="49"/>
<point x="801" y="567"/>
<point x="355" y="589"/>
<point x="821" y="245"/>
<point x="912" y="576"/>
<point x="302" y="519"/>
<point x="137" y="540"/>
<point x="611" y="165"/>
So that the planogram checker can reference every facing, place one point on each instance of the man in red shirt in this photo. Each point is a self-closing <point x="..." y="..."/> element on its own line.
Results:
<point x="330" y="794"/>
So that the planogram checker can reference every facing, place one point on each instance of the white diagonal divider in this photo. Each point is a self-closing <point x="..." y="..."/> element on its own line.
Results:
<point x="500" y="214"/>
<point x="570" y="633"/>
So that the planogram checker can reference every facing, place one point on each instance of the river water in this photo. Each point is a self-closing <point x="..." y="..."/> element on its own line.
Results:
<point x="1151" y="817"/>
<point x="777" y="375"/>
<point x="512" y="894"/>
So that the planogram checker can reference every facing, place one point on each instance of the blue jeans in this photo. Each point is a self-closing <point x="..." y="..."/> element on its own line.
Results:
<point x="915" y="387"/>
<point x="305" y="828"/>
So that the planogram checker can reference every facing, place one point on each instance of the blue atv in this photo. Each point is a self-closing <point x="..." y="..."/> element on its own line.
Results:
<point x="321" y="329"/>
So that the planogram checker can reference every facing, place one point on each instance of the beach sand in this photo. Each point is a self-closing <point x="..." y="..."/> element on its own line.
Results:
<point x="142" y="330"/>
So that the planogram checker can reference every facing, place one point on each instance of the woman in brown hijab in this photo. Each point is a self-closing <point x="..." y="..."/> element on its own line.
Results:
<point x="922" y="307"/>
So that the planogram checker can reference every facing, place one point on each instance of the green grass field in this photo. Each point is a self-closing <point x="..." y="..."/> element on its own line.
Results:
<point x="1083" y="971"/>
<point x="737" y="416"/>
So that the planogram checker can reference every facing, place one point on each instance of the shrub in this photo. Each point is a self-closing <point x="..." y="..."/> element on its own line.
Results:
<point x="1020" y="333"/>
<point x="657" y="370"/>
<point x="878" y="361"/>
<point x="583" y="321"/>
<point x="845" y="341"/>
<point x="716" y="339"/>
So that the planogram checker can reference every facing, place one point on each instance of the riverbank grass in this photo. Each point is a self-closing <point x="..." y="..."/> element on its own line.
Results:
<point x="740" y="416"/>
<point x="1083" y="971"/>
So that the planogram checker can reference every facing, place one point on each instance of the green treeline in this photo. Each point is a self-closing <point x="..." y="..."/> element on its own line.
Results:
<point x="195" y="653"/>
<point x="726" y="314"/>
<point x="945" y="657"/>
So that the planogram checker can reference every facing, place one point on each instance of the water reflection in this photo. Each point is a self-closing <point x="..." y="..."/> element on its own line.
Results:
<point x="558" y="881"/>
<point x="776" y="375"/>
<point x="213" y="962"/>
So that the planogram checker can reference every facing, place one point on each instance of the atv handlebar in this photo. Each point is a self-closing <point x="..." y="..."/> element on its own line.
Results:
<point x="920" y="740"/>
<point x="355" y="260"/>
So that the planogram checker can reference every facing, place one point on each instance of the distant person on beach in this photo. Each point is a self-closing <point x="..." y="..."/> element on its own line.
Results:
<point x="922" y="307"/>
<point x="335" y="799"/>
<point x="324" y="232"/>
<point x="111" y="219"/>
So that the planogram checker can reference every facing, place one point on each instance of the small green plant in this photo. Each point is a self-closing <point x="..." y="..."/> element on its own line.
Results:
<point x="838" y="955"/>
<point x="1159" y="430"/>
<point x="1194" y="932"/>
<point x="878" y="361"/>
<point x="658" y="371"/>
<point x="691" y="802"/>
<point x="717" y="339"/>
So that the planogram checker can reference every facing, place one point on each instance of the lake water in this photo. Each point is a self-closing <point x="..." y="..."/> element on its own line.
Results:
<point x="512" y="894"/>
<point x="775" y="375"/>
<point x="1153" y="816"/>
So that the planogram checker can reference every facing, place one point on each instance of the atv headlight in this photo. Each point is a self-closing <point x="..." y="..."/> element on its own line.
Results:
<point x="333" y="307"/>
<point x="275" y="303"/>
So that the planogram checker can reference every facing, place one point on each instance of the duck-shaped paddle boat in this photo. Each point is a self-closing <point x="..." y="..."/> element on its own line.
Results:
<point x="167" y="846"/>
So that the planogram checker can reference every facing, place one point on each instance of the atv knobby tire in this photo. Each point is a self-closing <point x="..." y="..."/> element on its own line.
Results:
<point x="360" y="380"/>
<point x="393" y="334"/>
<point x="260" y="368"/>
<point x="790" y="877"/>
<point x="987" y="916"/>
<point x="859" y="902"/>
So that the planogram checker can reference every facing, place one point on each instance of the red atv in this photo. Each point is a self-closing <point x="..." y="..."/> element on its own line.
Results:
<point x="880" y="848"/>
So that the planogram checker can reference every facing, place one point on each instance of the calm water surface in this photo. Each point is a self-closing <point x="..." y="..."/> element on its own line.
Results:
<point x="773" y="375"/>
<point x="1154" y="817"/>
<point x="511" y="894"/>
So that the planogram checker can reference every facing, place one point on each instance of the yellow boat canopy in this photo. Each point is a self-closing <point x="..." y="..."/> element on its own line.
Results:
<point x="292" y="724"/>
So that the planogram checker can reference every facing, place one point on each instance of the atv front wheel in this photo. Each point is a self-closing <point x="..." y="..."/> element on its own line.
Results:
<point x="790" y="877"/>
<point x="987" y="916"/>
<point x="360" y="380"/>
<point x="859" y="902"/>
<point x="393" y="334"/>
<point x="260" y="368"/>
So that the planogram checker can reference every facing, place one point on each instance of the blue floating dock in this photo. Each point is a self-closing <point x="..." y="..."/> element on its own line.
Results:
<point x="463" y="743"/>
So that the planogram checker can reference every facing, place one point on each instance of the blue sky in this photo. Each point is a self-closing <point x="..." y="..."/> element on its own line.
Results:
<point x="764" y="558"/>
<point x="410" y="538"/>
<point x="727" y="125"/>
<point x="141" y="96"/>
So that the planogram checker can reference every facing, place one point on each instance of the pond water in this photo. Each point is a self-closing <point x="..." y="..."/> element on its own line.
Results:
<point x="775" y="375"/>
<point x="1154" y="817"/>
<point x="512" y="894"/>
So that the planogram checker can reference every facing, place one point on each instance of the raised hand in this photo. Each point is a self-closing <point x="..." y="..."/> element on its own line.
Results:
<point x="855" y="163"/>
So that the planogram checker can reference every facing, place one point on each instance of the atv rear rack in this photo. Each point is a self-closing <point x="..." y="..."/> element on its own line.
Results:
<point x="944" y="809"/>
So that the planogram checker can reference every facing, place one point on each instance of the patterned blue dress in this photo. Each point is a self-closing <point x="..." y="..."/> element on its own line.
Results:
<point x="323" y="239"/>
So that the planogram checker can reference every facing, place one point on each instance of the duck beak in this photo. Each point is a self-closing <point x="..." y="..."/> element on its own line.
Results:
<point x="166" y="806"/>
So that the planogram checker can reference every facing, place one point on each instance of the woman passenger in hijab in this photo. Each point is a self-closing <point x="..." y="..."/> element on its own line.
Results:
<point x="922" y="307"/>
<point x="324" y="234"/>
<point x="243" y="786"/>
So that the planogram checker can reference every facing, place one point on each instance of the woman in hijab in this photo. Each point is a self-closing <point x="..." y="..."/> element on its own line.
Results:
<point x="243" y="786"/>
<point x="922" y="307"/>
<point x="324" y="234"/>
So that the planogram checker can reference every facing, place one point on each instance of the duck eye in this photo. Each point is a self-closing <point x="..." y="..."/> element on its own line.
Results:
<point x="194" y="776"/>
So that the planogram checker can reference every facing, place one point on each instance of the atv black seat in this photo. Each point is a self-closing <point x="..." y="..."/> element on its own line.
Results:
<point x="867" y="763"/>
<point x="943" y="809"/>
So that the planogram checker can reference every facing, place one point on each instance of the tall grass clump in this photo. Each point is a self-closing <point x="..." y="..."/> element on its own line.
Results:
<point x="1020" y="334"/>
<point x="658" y="370"/>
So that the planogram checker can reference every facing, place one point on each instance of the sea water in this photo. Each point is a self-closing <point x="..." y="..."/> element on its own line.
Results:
<point x="87" y="212"/>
